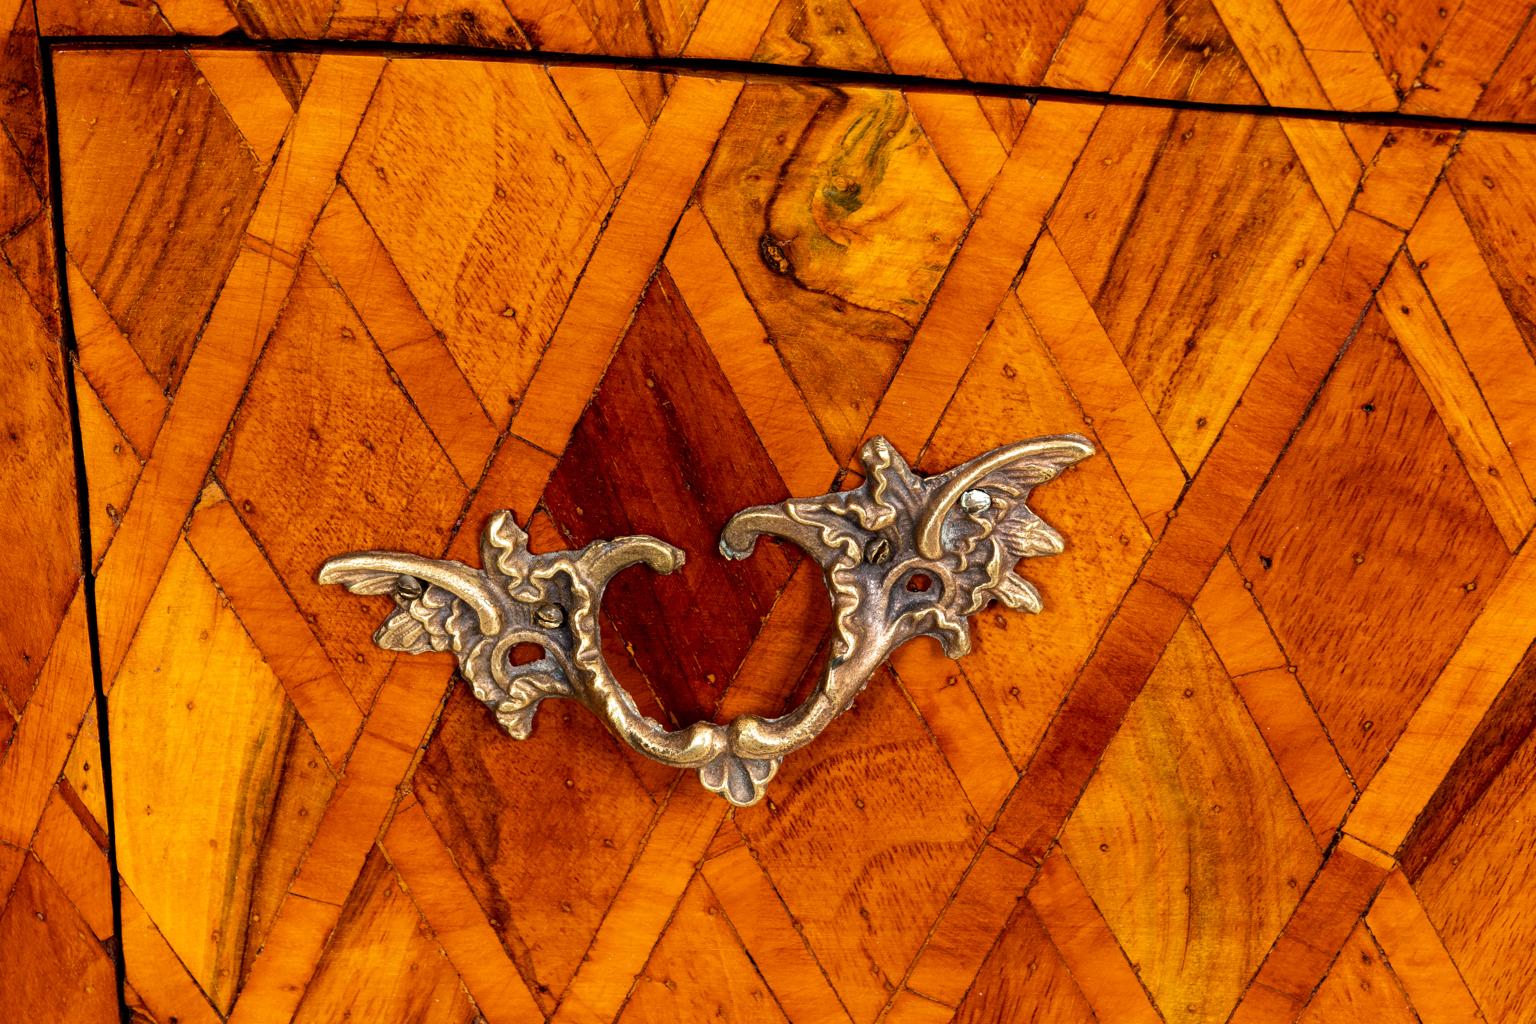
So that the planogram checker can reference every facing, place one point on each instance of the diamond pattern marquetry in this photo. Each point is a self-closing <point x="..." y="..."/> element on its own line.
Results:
<point x="1266" y="756"/>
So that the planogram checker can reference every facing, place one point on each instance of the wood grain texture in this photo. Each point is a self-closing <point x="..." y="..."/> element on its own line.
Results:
<point x="1455" y="59"/>
<point x="36" y="442"/>
<point x="1011" y="380"/>
<point x="665" y="423"/>
<point x="1487" y="853"/>
<point x="180" y="855"/>
<point x="1360" y="986"/>
<point x="490" y="804"/>
<point x="866" y="925"/>
<point x="620" y="301"/>
<point x="698" y="971"/>
<point x="1317" y="545"/>
<point x="1403" y="931"/>
<point x="480" y="251"/>
<point x="1327" y="915"/>
<point x="57" y="936"/>
<point x="1025" y="977"/>
<point x="1185" y="837"/>
<point x="1087" y="945"/>
<point x="439" y="892"/>
<point x="1258" y="244"/>
<point x="65" y="974"/>
<point x="381" y="926"/>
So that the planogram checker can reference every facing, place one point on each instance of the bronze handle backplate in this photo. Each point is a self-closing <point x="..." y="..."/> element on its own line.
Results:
<point x="903" y="555"/>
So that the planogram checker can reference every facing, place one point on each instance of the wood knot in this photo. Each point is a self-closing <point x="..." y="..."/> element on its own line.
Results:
<point x="771" y="251"/>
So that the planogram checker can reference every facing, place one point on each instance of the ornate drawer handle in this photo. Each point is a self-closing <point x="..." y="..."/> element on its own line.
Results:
<point x="903" y="556"/>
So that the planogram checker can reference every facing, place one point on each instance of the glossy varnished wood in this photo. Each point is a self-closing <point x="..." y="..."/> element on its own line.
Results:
<point x="1266" y="756"/>
<point x="56" y="921"/>
<point x="1449" y="59"/>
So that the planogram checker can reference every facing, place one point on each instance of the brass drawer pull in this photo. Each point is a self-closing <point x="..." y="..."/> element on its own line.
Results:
<point x="902" y="555"/>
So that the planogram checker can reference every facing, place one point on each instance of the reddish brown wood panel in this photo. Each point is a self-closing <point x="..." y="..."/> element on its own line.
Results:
<point x="1454" y="58"/>
<point x="1264" y="756"/>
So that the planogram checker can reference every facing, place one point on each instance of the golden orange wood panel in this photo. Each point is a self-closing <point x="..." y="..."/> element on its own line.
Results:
<point x="56" y="919"/>
<point x="1453" y="58"/>
<point x="1267" y="754"/>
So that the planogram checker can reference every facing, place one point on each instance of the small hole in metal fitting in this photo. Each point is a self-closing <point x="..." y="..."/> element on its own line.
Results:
<point x="526" y="654"/>
<point x="919" y="583"/>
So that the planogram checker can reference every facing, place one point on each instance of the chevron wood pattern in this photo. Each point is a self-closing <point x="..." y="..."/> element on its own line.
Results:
<point x="1449" y="58"/>
<point x="1267" y="755"/>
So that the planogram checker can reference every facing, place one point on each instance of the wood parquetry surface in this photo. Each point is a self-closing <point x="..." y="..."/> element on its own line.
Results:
<point x="1268" y="754"/>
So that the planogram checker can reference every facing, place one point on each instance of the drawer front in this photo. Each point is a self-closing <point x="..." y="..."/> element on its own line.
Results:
<point x="1264" y="752"/>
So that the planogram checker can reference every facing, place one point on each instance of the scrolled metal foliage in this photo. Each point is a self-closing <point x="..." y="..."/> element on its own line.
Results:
<point x="902" y="555"/>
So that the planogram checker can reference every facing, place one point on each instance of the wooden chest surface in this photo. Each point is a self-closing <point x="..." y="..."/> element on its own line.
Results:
<point x="1264" y="755"/>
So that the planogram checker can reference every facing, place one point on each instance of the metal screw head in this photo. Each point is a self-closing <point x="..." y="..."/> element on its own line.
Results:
<point x="975" y="501"/>
<point x="877" y="551"/>
<point x="550" y="616"/>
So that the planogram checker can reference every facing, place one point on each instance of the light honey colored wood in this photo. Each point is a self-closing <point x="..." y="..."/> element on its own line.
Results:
<point x="486" y="261"/>
<point x="1086" y="944"/>
<point x="1455" y="60"/>
<point x="1359" y="986"/>
<point x="1435" y="360"/>
<point x="77" y="864"/>
<point x="1322" y="923"/>
<point x="977" y="282"/>
<point x="1188" y="790"/>
<point x="110" y="460"/>
<point x="244" y="86"/>
<point x="1223" y="317"/>
<point x="275" y="625"/>
<point x="199" y="704"/>
<point x="787" y="964"/>
<point x="746" y="354"/>
<point x="114" y="370"/>
<point x="944" y="697"/>
<point x="1024" y="974"/>
<point x="982" y="907"/>
<point x="1434" y="985"/>
<point x="1010" y="380"/>
<point x="1066" y="322"/>
<point x="449" y="909"/>
<point x="382" y="922"/>
<point x="665" y="170"/>
<point x="698" y="969"/>
<point x="1467" y="298"/>
<point x="1336" y="45"/>
<point x="970" y="149"/>
<point x="648" y="896"/>
<point x="1324" y="150"/>
<point x="162" y="985"/>
<point x="1297" y="740"/>
<point x="346" y="247"/>
<point x="1444" y="722"/>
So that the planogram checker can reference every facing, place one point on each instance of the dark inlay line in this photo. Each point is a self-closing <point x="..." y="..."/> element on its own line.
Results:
<point x="747" y="69"/>
<point x="69" y="351"/>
